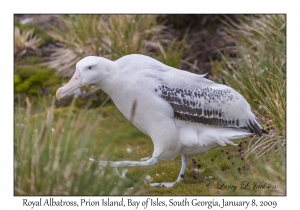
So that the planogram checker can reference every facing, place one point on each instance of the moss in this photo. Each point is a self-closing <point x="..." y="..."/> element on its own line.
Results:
<point x="17" y="80"/>
<point x="35" y="79"/>
<point x="34" y="91"/>
<point x="23" y="87"/>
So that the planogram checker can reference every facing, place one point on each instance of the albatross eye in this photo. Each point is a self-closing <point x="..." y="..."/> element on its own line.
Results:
<point x="89" y="67"/>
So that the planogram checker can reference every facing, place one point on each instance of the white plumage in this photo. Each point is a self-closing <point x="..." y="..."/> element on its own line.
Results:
<point x="183" y="113"/>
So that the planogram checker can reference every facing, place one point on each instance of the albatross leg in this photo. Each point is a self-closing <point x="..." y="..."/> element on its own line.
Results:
<point x="148" y="162"/>
<point x="184" y="159"/>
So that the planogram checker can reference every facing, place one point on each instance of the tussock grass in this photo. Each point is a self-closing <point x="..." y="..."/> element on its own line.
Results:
<point x="259" y="73"/>
<point x="51" y="155"/>
<point x="111" y="36"/>
<point x="24" y="41"/>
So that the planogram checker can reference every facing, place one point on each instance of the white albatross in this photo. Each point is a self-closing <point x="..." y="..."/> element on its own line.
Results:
<point x="183" y="113"/>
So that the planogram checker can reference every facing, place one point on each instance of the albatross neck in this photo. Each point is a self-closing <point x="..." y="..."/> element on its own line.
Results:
<point x="109" y="84"/>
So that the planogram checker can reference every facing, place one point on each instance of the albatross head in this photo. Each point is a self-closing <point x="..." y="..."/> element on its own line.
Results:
<point x="89" y="70"/>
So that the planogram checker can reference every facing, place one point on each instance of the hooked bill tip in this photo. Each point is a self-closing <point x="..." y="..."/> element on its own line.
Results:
<point x="58" y="94"/>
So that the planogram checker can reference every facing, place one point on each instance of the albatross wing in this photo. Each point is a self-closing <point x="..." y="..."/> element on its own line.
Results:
<point x="199" y="100"/>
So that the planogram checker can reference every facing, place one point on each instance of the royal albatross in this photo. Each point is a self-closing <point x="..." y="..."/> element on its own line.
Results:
<point x="183" y="113"/>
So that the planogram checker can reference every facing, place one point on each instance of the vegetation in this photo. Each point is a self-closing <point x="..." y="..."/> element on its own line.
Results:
<point x="33" y="79"/>
<point x="52" y="148"/>
<point x="112" y="37"/>
<point x="25" y="41"/>
<point x="53" y="140"/>
<point x="259" y="73"/>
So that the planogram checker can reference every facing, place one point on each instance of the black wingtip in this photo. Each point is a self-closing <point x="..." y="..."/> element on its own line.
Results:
<point x="257" y="129"/>
<point x="261" y="131"/>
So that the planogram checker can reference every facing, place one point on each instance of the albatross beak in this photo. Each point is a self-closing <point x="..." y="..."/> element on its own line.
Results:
<point x="74" y="83"/>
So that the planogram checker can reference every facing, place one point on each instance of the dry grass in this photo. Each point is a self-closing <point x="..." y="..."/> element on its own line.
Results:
<point x="259" y="73"/>
<point x="25" y="41"/>
<point x="111" y="36"/>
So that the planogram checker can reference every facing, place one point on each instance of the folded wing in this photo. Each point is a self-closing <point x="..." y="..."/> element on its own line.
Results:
<point x="206" y="102"/>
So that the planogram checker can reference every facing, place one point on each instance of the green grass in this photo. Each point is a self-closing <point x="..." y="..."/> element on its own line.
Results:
<point x="259" y="72"/>
<point x="51" y="151"/>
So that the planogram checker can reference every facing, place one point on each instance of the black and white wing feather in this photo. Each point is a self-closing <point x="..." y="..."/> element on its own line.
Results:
<point x="203" y="101"/>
